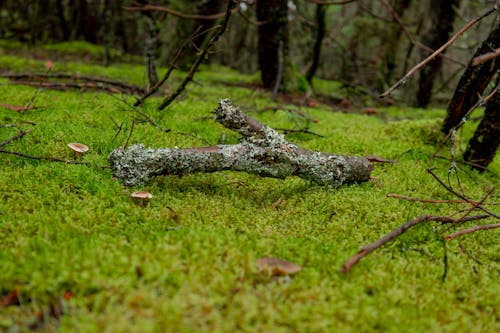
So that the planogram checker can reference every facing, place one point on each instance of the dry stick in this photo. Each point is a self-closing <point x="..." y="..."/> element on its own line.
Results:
<point x="436" y="53"/>
<point x="94" y="79"/>
<point x="174" y="61"/>
<point x="189" y="77"/>
<point x="471" y="230"/>
<point x="485" y="57"/>
<point x="15" y="137"/>
<point x="451" y="190"/>
<point x="367" y="249"/>
<point x="74" y="85"/>
<point x="412" y="38"/>
<point x="48" y="158"/>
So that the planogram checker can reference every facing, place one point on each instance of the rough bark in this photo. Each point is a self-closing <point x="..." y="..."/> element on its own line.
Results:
<point x="262" y="151"/>
<point x="271" y="33"/>
<point x="473" y="82"/>
<point x="442" y="17"/>
<point x="486" y="140"/>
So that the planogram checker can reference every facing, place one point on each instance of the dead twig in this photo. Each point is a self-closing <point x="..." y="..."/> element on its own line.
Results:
<point x="436" y="53"/>
<point x="367" y="249"/>
<point x="23" y="77"/>
<point x="412" y="38"/>
<point x="47" y="158"/>
<point x="471" y="230"/>
<point x="201" y="57"/>
<point x="486" y="57"/>
<point x="461" y="196"/>
<point x="74" y="85"/>
<point x="15" y="137"/>
<point x="174" y="61"/>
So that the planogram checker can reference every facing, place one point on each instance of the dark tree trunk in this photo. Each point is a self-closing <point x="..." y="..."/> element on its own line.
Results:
<point x="473" y="82"/>
<point x="271" y="34"/>
<point x="320" y="35"/>
<point x="486" y="140"/>
<point x="150" y="48"/>
<point x="60" y="10"/>
<point x="442" y="16"/>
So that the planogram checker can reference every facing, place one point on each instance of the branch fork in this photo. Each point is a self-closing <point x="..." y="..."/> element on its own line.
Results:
<point x="262" y="151"/>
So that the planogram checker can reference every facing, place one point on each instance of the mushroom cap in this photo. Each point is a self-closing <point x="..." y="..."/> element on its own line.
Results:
<point x="142" y="195"/>
<point x="78" y="147"/>
<point x="276" y="266"/>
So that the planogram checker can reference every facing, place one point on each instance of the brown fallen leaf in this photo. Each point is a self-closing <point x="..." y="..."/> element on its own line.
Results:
<point x="11" y="298"/>
<point x="276" y="266"/>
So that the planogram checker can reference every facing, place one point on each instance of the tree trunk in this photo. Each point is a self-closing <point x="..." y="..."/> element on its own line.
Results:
<point x="320" y="35"/>
<point x="486" y="140"/>
<point x="272" y="33"/>
<point x="442" y="14"/>
<point x="473" y="82"/>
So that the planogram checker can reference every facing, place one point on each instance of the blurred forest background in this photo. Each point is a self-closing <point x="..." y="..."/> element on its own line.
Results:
<point x="363" y="44"/>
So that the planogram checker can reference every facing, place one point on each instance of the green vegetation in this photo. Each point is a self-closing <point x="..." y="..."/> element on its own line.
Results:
<point x="72" y="240"/>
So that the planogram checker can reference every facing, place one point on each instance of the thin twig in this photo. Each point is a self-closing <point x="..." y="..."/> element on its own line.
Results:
<point x="451" y="190"/>
<point x="174" y="61"/>
<point x="479" y="60"/>
<point x="412" y="38"/>
<point x="94" y="79"/>
<point x="472" y="229"/>
<point x="201" y="57"/>
<point x="470" y="255"/>
<point x="436" y="53"/>
<point x="366" y="250"/>
<point x="15" y="137"/>
<point x="48" y="158"/>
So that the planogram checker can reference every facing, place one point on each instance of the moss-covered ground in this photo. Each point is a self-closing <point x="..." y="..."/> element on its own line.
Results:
<point x="84" y="258"/>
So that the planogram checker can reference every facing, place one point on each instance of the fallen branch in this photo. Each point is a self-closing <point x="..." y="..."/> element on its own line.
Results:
<point x="262" y="151"/>
<point x="366" y="250"/>
<point x="89" y="82"/>
<point x="471" y="230"/>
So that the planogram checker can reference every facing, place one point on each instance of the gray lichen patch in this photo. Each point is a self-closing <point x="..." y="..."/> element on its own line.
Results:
<point x="262" y="151"/>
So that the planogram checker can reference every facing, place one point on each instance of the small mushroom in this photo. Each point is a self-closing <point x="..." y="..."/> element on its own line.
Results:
<point x="141" y="198"/>
<point x="78" y="148"/>
<point x="276" y="266"/>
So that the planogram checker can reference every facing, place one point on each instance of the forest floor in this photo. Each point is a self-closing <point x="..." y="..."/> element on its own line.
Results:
<point x="77" y="254"/>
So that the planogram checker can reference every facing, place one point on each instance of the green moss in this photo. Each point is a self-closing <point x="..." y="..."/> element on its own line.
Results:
<point x="187" y="261"/>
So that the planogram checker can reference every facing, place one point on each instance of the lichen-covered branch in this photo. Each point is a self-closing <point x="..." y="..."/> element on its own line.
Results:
<point x="262" y="151"/>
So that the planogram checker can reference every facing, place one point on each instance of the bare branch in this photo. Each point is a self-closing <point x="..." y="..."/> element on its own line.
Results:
<point x="366" y="250"/>
<point x="15" y="137"/>
<point x="485" y="57"/>
<point x="436" y="53"/>
<point x="471" y="230"/>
